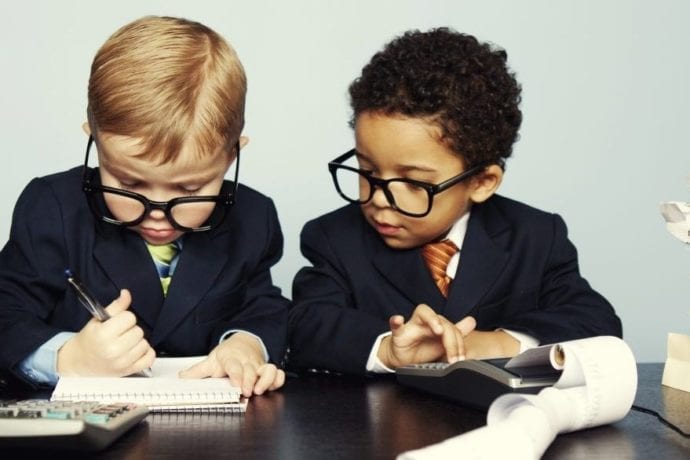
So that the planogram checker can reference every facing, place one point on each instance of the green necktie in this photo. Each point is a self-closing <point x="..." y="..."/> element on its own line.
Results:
<point x="163" y="255"/>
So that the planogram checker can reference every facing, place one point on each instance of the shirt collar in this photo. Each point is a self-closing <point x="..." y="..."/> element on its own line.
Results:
<point x="457" y="232"/>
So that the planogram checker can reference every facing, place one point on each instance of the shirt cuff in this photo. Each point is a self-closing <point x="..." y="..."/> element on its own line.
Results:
<point x="526" y="341"/>
<point x="374" y="364"/>
<point x="41" y="366"/>
<point x="261" y="342"/>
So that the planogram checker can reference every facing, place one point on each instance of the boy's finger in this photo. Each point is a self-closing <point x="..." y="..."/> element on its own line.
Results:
<point x="199" y="370"/>
<point x="131" y="338"/>
<point x="233" y="369"/>
<point x="422" y="310"/>
<point x="135" y="352"/>
<point x="144" y="362"/>
<point x="279" y="380"/>
<point x="466" y="325"/>
<point x="249" y="377"/>
<point x="452" y="342"/>
<point x="267" y="375"/>
<point x="395" y="322"/>
<point x="119" y="324"/>
<point x="130" y="361"/>
<point x="425" y="315"/>
<point x="120" y="304"/>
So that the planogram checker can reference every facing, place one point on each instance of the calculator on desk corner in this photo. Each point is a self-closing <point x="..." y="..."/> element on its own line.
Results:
<point x="69" y="425"/>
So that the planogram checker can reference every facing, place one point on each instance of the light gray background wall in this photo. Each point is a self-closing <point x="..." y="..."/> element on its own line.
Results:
<point x="605" y="104"/>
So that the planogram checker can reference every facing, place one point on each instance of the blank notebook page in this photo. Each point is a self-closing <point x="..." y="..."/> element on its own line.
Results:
<point x="164" y="388"/>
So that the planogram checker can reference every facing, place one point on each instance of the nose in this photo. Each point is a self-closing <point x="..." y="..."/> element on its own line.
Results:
<point x="157" y="214"/>
<point x="379" y="198"/>
<point x="157" y="211"/>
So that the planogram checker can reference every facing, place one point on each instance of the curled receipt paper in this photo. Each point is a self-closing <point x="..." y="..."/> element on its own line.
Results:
<point x="597" y="387"/>
<point x="677" y="217"/>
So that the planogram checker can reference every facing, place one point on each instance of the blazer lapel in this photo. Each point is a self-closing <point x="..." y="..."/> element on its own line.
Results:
<point x="137" y="273"/>
<point x="406" y="271"/>
<point x="201" y="260"/>
<point x="482" y="258"/>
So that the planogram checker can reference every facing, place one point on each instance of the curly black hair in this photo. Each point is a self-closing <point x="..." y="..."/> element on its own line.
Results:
<point x="462" y="85"/>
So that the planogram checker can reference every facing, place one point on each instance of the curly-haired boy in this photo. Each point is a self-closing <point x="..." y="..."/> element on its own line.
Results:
<point x="428" y="263"/>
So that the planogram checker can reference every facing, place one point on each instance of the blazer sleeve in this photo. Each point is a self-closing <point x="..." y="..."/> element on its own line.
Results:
<point x="327" y="331"/>
<point x="264" y="310"/>
<point x="31" y="274"/>
<point x="568" y="308"/>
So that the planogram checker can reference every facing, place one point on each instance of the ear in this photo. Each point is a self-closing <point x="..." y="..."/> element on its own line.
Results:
<point x="486" y="183"/>
<point x="244" y="140"/>
<point x="86" y="128"/>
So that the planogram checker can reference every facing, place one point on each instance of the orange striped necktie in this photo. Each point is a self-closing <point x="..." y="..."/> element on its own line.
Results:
<point x="437" y="256"/>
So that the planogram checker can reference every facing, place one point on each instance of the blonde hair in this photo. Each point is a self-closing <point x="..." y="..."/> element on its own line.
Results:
<point x="168" y="80"/>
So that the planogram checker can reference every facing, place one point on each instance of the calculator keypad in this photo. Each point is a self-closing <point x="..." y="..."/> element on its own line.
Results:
<point x="90" y="412"/>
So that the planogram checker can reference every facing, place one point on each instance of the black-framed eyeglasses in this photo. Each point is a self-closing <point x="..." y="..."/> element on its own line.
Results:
<point x="187" y="214"/>
<point x="407" y="196"/>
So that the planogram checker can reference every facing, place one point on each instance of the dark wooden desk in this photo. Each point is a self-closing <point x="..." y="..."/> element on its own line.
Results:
<point x="325" y="416"/>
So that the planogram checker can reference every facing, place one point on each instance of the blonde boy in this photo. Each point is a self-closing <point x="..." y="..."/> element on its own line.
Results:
<point x="184" y="253"/>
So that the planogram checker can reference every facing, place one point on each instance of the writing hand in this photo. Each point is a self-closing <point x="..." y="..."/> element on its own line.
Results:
<point x="115" y="347"/>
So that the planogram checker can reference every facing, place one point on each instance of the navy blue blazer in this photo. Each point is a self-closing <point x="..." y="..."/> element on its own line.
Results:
<point x="517" y="270"/>
<point x="222" y="280"/>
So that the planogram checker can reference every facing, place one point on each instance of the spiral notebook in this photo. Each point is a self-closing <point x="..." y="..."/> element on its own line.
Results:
<point x="163" y="392"/>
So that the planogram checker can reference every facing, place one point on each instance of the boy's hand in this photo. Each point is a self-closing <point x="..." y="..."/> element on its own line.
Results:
<point x="491" y="344"/>
<point x="115" y="347"/>
<point x="241" y="359"/>
<point x="426" y="337"/>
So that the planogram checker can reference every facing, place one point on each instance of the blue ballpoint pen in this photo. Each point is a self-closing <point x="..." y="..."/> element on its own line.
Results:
<point x="92" y="305"/>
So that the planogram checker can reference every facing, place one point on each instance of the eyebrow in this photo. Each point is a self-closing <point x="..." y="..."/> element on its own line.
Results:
<point x="403" y="168"/>
<point x="117" y="171"/>
<point x="123" y="173"/>
<point x="195" y="180"/>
